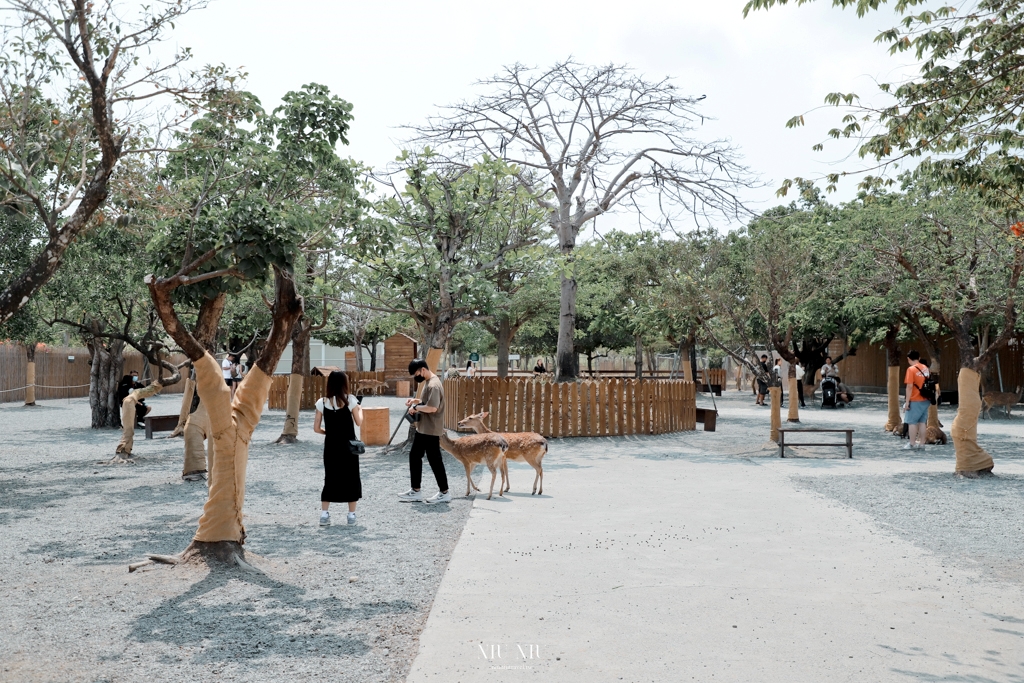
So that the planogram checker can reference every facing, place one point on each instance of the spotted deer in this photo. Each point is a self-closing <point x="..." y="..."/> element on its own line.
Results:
<point x="476" y="449"/>
<point x="528" y="447"/>
<point x="1002" y="399"/>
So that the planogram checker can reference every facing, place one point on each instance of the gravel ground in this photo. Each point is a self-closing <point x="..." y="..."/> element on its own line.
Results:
<point x="337" y="603"/>
<point x="70" y="527"/>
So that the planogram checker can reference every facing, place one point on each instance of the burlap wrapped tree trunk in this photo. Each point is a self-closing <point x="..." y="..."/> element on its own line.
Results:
<point x="293" y="404"/>
<point x="186" y="405"/>
<point x="933" y="410"/>
<point x="127" y="442"/>
<point x="794" y="402"/>
<point x="232" y="425"/>
<point x="776" y="398"/>
<point x="970" y="457"/>
<point x="197" y="431"/>
<point x="30" y="383"/>
<point x="892" y="386"/>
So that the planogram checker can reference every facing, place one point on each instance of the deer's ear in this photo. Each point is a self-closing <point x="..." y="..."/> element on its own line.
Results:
<point x="483" y="416"/>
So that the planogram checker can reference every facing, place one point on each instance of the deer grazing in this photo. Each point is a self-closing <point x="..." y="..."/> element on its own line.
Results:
<point x="1003" y="399"/>
<point x="528" y="447"/>
<point x="472" y="450"/>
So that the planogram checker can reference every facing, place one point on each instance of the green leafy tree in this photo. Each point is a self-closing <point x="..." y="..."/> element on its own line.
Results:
<point x="75" y="81"/>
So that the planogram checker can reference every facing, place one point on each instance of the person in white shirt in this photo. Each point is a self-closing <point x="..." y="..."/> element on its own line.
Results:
<point x="470" y="370"/>
<point x="800" y="383"/>
<point x="229" y="366"/>
<point x="337" y="415"/>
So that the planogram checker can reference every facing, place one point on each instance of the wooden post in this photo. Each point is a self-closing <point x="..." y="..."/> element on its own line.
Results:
<point x="538" y="403"/>
<point x="627" y="406"/>
<point x="376" y="425"/>
<point x="776" y="394"/>
<point x="554" y="417"/>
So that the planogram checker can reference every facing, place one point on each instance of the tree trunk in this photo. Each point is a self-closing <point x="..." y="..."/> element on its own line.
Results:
<point x="30" y="374"/>
<point x="970" y="457"/>
<point x="197" y="431"/>
<point x="300" y="368"/>
<point x="776" y="394"/>
<point x="106" y="371"/>
<point x="568" y="363"/>
<point x="503" y="338"/>
<point x="124" y="447"/>
<point x="892" y="354"/>
<point x="794" y="401"/>
<point x="685" y="351"/>
<point x="231" y="425"/>
<point x="186" y="405"/>
<point x="357" y="346"/>
<point x="638" y="357"/>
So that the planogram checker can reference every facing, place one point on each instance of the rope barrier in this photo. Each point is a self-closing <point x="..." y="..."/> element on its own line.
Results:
<point x="43" y="386"/>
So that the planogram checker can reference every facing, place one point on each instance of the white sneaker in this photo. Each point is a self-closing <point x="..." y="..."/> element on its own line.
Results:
<point x="351" y="518"/>
<point x="439" y="498"/>
<point x="411" y="496"/>
<point x="909" y="447"/>
<point x="325" y="518"/>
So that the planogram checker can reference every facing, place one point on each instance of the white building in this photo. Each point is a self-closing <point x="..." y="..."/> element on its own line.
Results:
<point x="322" y="354"/>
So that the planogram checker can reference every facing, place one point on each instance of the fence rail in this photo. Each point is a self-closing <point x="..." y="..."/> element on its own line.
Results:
<point x="313" y="388"/>
<point x="606" y="407"/>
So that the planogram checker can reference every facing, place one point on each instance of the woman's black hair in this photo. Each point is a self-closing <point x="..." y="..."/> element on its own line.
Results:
<point x="337" y="387"/>
<point x="469" y="364"/>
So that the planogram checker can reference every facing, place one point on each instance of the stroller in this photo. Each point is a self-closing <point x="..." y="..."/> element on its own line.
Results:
<point x="828" y="392"/>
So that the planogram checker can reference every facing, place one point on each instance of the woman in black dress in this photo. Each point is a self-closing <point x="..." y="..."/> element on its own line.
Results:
<point x="337" y="415"/>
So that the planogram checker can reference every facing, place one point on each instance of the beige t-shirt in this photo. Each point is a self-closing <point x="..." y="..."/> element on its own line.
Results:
<point x="433" y="395"/>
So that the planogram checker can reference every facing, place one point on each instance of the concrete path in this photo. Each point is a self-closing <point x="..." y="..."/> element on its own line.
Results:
<point x="656" y="560"/>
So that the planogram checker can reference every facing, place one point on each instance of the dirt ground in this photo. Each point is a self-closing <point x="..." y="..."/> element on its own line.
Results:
<point x="70" y="527"/>
<point x="339" y="603"/>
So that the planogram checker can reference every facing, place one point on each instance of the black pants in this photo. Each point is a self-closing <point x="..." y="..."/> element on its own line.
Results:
<point x="431" y="445"/>
<point x="800" y="391"/>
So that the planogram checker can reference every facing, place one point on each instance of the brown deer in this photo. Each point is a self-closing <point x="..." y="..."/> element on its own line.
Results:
<point x="474" y="449"/>
<point x="528" y="447"/>
<point x="1003" y="399"/>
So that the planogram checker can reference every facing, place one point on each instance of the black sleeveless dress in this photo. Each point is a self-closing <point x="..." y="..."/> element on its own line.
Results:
<point x="341" y="466"/>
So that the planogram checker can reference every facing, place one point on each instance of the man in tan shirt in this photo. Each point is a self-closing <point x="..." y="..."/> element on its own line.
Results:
<point x="429" y="413"/>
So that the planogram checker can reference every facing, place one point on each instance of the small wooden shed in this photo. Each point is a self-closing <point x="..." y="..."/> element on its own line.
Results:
<point x="399" y="350"/>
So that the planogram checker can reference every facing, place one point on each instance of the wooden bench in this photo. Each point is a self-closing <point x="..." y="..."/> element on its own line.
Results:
<point x="160" y="423"/>
<point x="712" y="388"/>
<point x="708" y="417"/>
<point x="848" y="444"/>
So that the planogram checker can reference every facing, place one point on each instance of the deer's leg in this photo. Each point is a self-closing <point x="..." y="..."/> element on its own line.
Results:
<point x="537" y="478"/>
<point x="469" y="478"/>
<point x="504" y="475"/>
<point x="494" y="473"/>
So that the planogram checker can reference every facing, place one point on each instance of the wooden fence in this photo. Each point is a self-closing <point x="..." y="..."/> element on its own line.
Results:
<point x="714" y="376"/>
<point x="607" y="407"/>
<point x="56" y="376"/>
<point x="312" y="388"/>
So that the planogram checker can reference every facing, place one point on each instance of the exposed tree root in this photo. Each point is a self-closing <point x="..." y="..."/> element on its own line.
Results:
<point x="117" y="460"/>
<point x="215" y="555"/>
<point x="287" y="439"/>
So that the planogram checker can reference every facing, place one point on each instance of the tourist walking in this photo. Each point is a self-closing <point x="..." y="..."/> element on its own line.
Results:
<point x="470" y="370"/>
<point x="337" y="415"/>
<point x="427" y="413"/>
<point x="800" y="383"/>
<point x="915" y="408"/>
<point x="778" y="382"/>
<point x="229" y="366"/>
<point x="762" y="381"/>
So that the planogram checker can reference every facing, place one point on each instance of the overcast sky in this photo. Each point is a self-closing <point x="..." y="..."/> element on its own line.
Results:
<point x="398" y="61"/>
